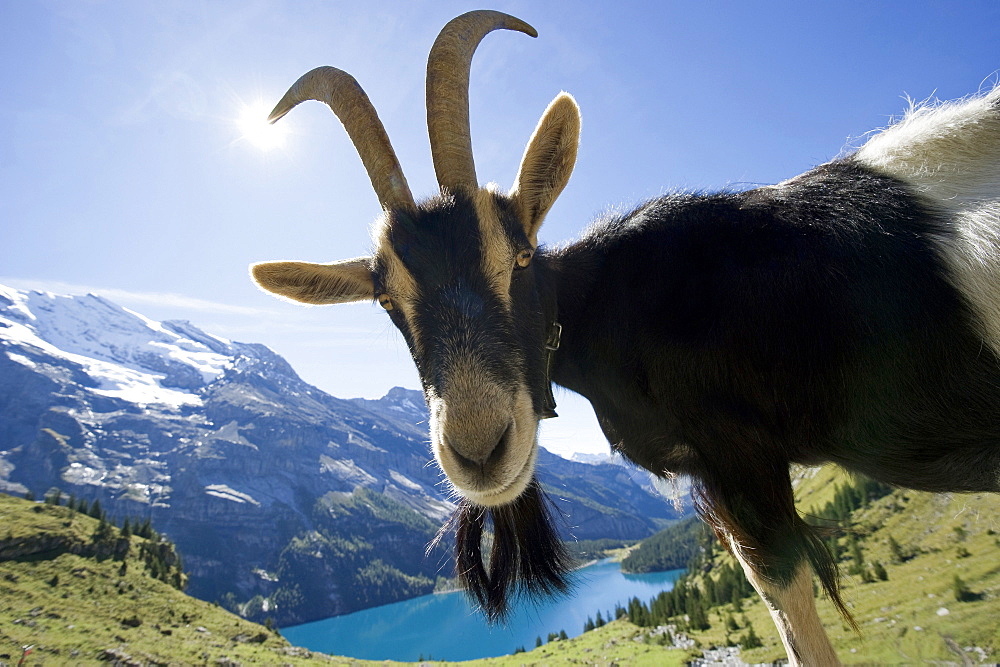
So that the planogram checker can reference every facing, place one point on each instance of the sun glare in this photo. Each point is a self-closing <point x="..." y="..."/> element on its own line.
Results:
<point x="257" y="131"/>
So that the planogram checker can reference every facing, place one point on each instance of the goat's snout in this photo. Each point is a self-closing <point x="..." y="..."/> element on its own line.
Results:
<point x="484" y="440"/>
<point x="479" y="452"/>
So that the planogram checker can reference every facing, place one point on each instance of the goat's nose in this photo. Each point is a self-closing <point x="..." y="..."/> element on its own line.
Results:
<point x="479" y="452"/>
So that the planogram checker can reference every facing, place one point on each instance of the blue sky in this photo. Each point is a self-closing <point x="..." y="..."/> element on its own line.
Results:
<point x="123" y="169"/>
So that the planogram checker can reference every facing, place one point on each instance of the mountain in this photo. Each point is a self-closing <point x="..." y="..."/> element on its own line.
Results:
<point x="285" y="502"/>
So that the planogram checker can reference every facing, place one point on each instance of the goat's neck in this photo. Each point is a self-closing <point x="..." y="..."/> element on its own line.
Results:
<point x="575" y="286"/>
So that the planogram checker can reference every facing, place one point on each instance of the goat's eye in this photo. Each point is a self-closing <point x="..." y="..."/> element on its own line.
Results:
<point x="385" y="301"/>
<point x="523" y="259"/>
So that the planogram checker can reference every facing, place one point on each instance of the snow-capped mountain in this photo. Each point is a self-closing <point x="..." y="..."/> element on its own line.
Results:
<point x="284" y="501"/>
<point x="126" y="355"/>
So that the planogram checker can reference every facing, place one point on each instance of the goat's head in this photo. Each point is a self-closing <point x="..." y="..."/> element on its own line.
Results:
<point x="456" y="276"/>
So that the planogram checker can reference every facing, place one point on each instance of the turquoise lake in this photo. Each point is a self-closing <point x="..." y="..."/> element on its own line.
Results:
<point x="445" y="626"/>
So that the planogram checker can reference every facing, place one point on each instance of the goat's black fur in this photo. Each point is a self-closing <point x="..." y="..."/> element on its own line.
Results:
<point x="527" y="557"/>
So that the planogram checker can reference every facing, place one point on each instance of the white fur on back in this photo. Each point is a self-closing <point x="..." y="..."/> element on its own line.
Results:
<point x="950" y="153"/>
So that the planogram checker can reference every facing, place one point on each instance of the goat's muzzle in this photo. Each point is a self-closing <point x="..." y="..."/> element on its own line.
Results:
<point x="479" y="459"/>
<point x="485" y="442"/>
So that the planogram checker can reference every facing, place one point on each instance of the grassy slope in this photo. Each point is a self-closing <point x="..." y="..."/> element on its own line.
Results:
<point x="75" y="619"/>
<point x="918" y="588"/>
<point x="615" y="643"/>
<point x="889" y="612"/>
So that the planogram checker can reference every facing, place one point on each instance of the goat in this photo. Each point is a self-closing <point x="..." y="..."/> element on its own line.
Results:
<point x="850" y="314"/>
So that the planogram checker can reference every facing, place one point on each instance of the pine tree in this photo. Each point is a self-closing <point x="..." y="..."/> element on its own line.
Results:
<point x="710" y="596"/>
<point x="731" y="624"/>
<point x="698" y="616"/>
<point x="103" y="532"/>
<point x="638" y="613"/>
<point x="858" y="562"/>
<point x="836" y="550"/>
<point x="857" y="557"/>
<point x="962" y="591"/>
<point x="897" y="551"/>
<point x="146" y="529"/>
<point x="737" y="602"/>
<point x="750" y="639"/>
<point x="538" y="642"/>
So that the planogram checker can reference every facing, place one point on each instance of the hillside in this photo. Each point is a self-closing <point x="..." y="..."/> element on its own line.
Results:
<point x="914" y="614"/>
<point x="77" y="596"/>
<point x="900" y="555"/>
<point x="669" y="549"/>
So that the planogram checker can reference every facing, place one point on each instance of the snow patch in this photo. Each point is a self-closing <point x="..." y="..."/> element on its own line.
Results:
<point x="345" y="469"/>
<point x="127" y="355"/>
<point x="80" y="474"/>
<point x="24" y="361"/>
<point x="404" y="481"/>
<point x="230" y="494"/>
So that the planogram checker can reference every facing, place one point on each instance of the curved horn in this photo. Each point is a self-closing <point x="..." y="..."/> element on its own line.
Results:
<point x="448" y="92"/>
<point x="344" y="96"/>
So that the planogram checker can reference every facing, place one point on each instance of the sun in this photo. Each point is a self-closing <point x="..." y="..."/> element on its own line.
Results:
<point x="255" y="129"/>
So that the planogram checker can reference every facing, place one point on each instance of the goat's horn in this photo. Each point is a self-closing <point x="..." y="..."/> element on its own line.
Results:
<point x="448" y="92"/>
<point x="344" y="96"/>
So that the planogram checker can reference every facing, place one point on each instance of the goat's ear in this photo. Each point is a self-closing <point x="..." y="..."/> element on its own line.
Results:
<point x="547" y="163"/>
<point x="340" y="282"/>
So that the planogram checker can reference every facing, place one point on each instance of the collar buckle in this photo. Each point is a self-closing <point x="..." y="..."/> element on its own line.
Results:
<point x="552" y="343"/>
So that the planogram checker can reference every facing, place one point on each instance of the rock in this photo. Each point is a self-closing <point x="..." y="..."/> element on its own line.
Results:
<point x="118" y="658"/>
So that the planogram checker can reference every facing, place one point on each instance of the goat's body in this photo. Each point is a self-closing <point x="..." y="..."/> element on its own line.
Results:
<point x="847" y="315"/>
<point x="813" y="321"/>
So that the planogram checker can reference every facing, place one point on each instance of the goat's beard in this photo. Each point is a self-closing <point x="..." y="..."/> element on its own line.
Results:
<point x="526" y="559"/>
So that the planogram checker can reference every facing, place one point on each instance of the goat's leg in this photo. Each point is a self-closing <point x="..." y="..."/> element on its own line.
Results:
<point x="756" y="520"/>
<point x="793" y="610"/>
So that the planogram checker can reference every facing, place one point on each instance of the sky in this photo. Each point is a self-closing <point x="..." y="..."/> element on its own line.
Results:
<point x="125" y="169"/>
